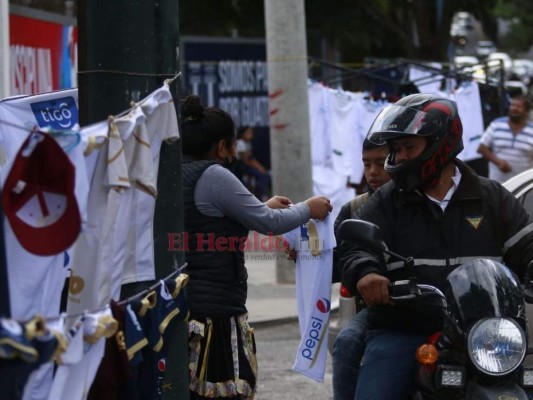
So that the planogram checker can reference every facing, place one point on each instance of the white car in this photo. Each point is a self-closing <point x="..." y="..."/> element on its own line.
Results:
<point x="521" y="186"/>
<point x="498" y="59"/>
<point x="523" y="70"/>
<point x="484" y="48"/>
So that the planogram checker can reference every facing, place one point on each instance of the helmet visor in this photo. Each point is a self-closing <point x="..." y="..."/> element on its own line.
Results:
<point x="397" y="121"/>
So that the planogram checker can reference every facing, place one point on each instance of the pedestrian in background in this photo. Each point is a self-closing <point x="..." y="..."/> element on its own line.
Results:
<point x="507" y="143"/>
<point x="251" y="166"/>
<point x="218" y="214"/>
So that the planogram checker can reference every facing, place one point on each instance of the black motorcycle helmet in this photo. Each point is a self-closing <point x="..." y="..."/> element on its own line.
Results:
<point x="429" y="116"/>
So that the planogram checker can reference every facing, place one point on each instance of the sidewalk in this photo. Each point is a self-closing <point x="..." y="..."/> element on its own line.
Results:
<point x="268" y="301"/>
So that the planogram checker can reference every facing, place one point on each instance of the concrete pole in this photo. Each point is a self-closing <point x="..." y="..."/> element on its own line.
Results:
<point x="5" y="88"/>
<point x="290" y="145"/>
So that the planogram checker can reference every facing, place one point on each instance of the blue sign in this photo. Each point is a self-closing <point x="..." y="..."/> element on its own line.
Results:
<point x="60" y="114"/>
<point x="231" y="74"/>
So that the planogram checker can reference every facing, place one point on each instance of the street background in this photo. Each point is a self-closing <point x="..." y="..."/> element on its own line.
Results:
<point x="276" y="346"/>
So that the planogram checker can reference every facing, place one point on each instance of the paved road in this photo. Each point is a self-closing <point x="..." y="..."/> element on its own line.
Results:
<point x="276" y="347"/>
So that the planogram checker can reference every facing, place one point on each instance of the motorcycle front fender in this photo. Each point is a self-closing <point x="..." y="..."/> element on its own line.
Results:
<point x="504" y="391"/>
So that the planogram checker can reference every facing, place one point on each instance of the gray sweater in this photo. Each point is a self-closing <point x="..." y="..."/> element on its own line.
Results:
<point x="219" y="193"/>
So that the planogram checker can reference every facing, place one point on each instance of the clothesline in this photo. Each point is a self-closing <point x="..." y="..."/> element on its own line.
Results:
<point x="133" y="104"/>
<point x="120" y="303"/>
<point x="121" y="114"/>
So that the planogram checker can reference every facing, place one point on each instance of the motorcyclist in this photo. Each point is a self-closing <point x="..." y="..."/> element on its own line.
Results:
<point x="437" y="210"/>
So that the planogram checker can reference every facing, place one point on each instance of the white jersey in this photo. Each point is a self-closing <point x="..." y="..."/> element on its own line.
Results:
<point x="427" y="81"/>
<point x="161" y="125"/>
<point x="326" y="182"/>
<point x="73" y="379"/>
<point x="469" y="108"/>
<point x="346" y="142"/>
<point x="35" y="282"/>
<point x="39" y="383"/>
<point x="318" y="124"/>
<point x="91" y="264"/>
<point x="73" y="355"/>
<point x="314" y="243"/>
<point x="367" y="110"/>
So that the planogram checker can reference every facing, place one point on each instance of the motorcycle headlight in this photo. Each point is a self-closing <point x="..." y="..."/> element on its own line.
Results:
<point x="496" y="346"/>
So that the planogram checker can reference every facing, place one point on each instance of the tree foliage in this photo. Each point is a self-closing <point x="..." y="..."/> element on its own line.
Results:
<point x="519" y="16"/>
<point x="415" y="29"/>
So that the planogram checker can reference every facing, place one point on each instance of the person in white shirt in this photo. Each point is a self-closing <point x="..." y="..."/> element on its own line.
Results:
<point x="507" y="143"/>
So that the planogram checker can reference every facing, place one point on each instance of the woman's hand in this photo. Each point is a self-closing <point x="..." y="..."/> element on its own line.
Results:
<point x="278" y="202"/>
<point x="319" y="206"/>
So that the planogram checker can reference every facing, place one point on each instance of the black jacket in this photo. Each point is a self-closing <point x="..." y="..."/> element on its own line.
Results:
<point x="349" y="210"/>
<point x="218" y="277"/>
<point x="482" y="220"/>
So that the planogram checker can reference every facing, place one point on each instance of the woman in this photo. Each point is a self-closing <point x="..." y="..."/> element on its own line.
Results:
<point x="219" y="212"/>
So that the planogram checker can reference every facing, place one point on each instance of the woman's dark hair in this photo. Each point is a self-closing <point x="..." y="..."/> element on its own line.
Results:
<point x="202" y="127"/>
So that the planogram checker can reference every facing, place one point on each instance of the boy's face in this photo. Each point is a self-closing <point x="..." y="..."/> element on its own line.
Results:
<point x="374" y="162"/>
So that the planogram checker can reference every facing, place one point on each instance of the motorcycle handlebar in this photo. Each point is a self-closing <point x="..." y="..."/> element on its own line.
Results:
<point x="409" y="290"/>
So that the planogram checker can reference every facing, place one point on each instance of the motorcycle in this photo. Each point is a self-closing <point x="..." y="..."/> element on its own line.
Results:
<point x="480" y="352"/>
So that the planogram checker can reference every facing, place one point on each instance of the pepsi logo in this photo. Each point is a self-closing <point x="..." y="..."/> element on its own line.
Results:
<point x="323" y="305"/>
<point x="162" y="364"/>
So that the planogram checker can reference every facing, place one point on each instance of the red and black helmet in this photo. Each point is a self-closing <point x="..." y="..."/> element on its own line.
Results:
<point x="432" y="117"/>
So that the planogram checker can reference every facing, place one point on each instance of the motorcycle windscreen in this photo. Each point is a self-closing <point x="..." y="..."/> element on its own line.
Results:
<point x="481" y="289"/>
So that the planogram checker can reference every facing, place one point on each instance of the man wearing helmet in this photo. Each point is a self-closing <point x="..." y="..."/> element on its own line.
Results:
<point x="437" y="210"/>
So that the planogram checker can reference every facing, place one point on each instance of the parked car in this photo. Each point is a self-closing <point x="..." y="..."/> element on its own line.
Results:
<point x="515" y="88"/>
<point x="523" y="70"/>
<point x="521" y="186"/>
<point x="496" y="60"/>
<point x="504" y="57"/>
<point x="484" y="48"/>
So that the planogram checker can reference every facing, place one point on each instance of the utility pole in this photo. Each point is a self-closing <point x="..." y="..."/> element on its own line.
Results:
<point x="290" y="144"/>
<point x="5" y="86"/>
<point x="127" y="48"/>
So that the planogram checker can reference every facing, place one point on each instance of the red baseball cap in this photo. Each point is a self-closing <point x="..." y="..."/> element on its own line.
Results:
<point x="38" y="197"/>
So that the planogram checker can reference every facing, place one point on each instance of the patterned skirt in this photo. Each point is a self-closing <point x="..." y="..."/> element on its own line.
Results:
<point x="222" y="358"/>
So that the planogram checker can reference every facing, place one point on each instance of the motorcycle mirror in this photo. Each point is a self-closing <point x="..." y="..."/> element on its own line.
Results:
<point x="362" y="232"/>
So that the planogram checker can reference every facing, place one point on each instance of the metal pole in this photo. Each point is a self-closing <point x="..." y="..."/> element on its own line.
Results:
<point x="127" y="48"/>
<point x="5" y="311"/>
<point x="5" y="88"/>
<point x="290" y="144"/>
